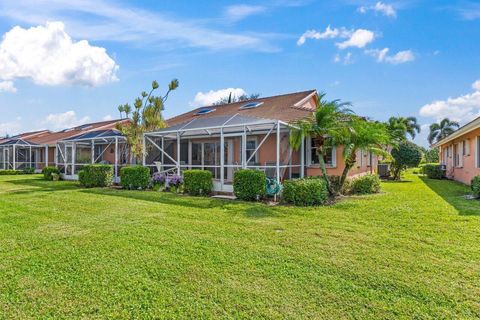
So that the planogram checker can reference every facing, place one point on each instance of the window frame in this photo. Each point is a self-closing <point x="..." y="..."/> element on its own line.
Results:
<point x="309" y="148"/>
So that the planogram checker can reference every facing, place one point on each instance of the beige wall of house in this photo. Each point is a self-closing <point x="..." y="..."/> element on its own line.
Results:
<point x="461" y="157"/>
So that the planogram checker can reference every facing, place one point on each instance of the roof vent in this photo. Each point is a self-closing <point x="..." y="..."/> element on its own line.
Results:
<point x="204" y="111"/>
<point x="251" y="105"/>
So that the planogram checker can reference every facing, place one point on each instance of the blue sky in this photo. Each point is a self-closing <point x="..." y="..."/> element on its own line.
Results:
<point x="418" y="58"/>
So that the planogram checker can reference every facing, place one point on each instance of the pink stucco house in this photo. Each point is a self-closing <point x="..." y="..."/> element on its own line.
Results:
<point x="250" y="134"/>
<point x="460" y="152"/>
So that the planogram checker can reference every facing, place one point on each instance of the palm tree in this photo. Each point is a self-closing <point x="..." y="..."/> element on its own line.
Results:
<point x="121" y="109"/>
<point x="399" y="127"/>
<point x="326" y="122"/>
<point x="363" y="135"/>
<point x="127" y="110"/>
<point x="441" y="130"/>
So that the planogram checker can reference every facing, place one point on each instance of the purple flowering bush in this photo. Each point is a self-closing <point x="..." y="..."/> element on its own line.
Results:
<point x="159" y="178"/>
<point x="174" y="181"/>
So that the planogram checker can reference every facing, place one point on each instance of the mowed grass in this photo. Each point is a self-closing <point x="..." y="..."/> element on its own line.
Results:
<point x="66" y="252"/>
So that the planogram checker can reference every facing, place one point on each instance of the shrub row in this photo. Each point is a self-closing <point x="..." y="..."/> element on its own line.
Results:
<point x="249" y="184"/>
<point x="475" y="185"/>
<point x="10" y="172"/>
<point x="305" y="191"/>
<point x="366" y="184"/>
<point x="198" y="182"/>
<point x="135" y="177"/>
<point x="49" y="171"/>
<point x="96" y="175"/>
<point x="433" y="170"/>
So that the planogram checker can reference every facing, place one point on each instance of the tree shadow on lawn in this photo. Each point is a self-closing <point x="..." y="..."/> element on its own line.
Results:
<point x="33" y="185"/>
<point x="453" y="192"/>
<point x="252" y="210"/>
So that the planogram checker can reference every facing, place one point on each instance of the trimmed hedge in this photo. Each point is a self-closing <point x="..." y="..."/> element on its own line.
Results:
<point x="249" y="184"/>
<point x="335" y="184"/>
<point x="305" y="191"/>
<point x="28" y="171"/>
<point x="135" y="177"/>
<point x="433" y="171"/>
<point x="367" y="184"/>
<point x="96" y="175"/>
<point x="10" y="172"/>
<point x="475" y="185"/>
<point x="198" y="182"/>
<point x="47" y="172"/>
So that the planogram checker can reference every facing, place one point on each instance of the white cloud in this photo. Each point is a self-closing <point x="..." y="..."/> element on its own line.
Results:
<point x="346" y="59"/>
<point x="48" y="56"/>
<point x="476" y="85"/>
<point x="462" y="108"/>
<point x="11" y="127"/>
<point x="239" y="12"/>
<point x="329" y="33"/>
<point x="359" y="38"/>
<point x="380" y="7"/>
<point x="108" y="117"/>
<point x="7" y="86"/>
<point x="210" y="97"/>
<point x="105" y="20"/>
<point x="354" y="38"/>
<point x="397" y="58"/>
<point x="57" y="121"/>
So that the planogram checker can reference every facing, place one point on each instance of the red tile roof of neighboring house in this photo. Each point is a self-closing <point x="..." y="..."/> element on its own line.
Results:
<point x="53" y="137"/>
<point x="286" y="107"/>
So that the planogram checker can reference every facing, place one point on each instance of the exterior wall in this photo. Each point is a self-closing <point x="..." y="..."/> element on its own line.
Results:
<point x="362" y="166"/>
<point x="467" y="168"/>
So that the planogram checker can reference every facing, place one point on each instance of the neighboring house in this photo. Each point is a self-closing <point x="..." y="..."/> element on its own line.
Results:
<point x="249" y="134"/>
<point x="460" y="152"/>
<point x="42" y="148"/>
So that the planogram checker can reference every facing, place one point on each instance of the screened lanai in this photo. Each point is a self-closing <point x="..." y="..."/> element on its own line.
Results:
<point x="19" y="154"/>
<point x="223" y="144"/>
<point x="103" y="147"/>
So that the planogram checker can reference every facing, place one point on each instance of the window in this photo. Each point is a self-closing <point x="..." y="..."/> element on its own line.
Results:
<point x="204" y="111"/>
<point x="312" y="157"/>
<point x="477" y="152"/>
<point x="251" y="105"/>
<point x="251" y="147"/>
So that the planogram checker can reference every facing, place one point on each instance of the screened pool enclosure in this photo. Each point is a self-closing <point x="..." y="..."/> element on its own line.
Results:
<point x="103" y="147"/>
<point x="222" y="145"/>
<point x="19" y="154"/>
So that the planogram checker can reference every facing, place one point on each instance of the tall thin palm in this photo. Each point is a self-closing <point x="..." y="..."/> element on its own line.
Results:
<point x="399" y="127"/>
<point x="326" y="122"/>
<point x="441" y="130"/>
<point x="120" y="109"/>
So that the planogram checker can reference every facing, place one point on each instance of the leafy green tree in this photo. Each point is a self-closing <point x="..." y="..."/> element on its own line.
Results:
<point x="441" y="130"/>
<point x="146" y="116"/>
<point x="325" y="125"/>
<point x="406" y="154"/>
<point x="363" y="135"/>
<point x="431" y="155"/>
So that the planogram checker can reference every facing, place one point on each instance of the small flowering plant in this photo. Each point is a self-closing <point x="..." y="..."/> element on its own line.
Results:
<point x="158" y="181"/>
<point x="174" y="182"/>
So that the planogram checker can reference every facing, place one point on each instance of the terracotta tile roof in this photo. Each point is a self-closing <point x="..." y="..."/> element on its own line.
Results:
<point x="286" y="107"/>
<point x="53" y="137"/>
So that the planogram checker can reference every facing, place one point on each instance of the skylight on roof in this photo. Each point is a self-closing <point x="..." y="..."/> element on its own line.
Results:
<point x="251" y="105"/>
<point x="204" y="111"/>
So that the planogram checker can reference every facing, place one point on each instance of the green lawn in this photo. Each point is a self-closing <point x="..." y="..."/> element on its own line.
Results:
<point x="66" y="252"/>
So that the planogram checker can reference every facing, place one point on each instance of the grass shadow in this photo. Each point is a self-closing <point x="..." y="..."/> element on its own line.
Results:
<point x="253" y="210"/>
<point x="38" y="184"/>
<point x="453" y="192"/>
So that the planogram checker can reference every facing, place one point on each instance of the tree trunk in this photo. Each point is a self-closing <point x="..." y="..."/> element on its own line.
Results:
<point x="349" y="163"/>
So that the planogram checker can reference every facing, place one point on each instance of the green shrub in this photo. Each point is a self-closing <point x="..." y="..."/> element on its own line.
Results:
<point x="135" y="177"/>
<point x="96" y="175"/>
<point x="366" y="184"/>
<point x="198" y="182"/>
<point x="335" y="184"/>
<point x="305" y="191"/>
<point x="9" y="172"/>
<point x="405" y="155"/>
<point x="249" y="184"/>
<point x="433" y="171"/>
<point x="475" y="185"/>
<point x="48" y="171"/>
<point x="28" y="171"/>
